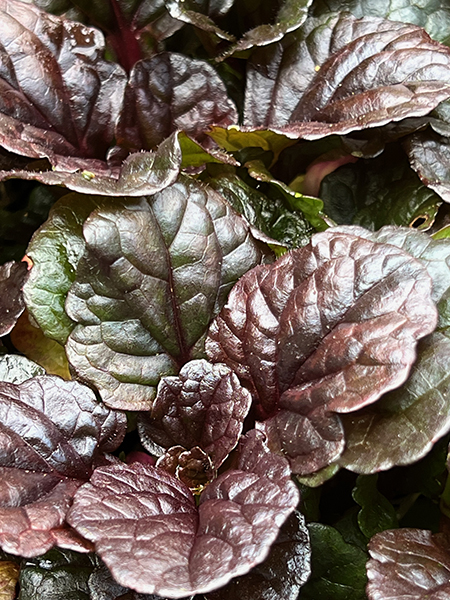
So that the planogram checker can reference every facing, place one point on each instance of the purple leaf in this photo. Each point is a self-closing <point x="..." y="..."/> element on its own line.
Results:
<point x="204" y="406"/>
<point x="408" y="563"/>
<point x="193" y="467"/>
<point x="338" y="74"/>
<point x="170" y="92"/>
<point x="13" y="276"/>
<point x="59" y="96"/>
<point x="149" y="532"/>
<point x="51" y="434"/>
<point x="429" y="155"/>
<point x="326" y="329"/>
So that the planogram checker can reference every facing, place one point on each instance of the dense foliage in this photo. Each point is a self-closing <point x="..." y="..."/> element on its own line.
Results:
<point x="225" y="299"/>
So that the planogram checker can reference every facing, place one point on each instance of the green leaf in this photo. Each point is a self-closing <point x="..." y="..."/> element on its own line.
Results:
<point x="233" y="139"/>
<point x="57" y="575"/>
<point x="338" y="568"/>
<point x="55" y="250"/>
<point x="377" y="513"/>
<point x="15" y="368"/>
<point x="379" y="191"/>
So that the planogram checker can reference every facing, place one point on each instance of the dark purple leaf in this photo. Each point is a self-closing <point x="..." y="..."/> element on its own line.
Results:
<point x="204" y="406"/>
<point x="141" y="173"/>
<point x="51" y="433"/>
<point x="172" y="92"/>
<point x="149" y="532"/>
<point x="409" y="563"/>
<point x="429" y="155"/>
<point x="59" y="96"/>
<point x="326" y="329"/>
<point x="338" y="74"/>
<point x="13" y="276"/>
<point x="155" y="272"/>
<point x="281" y="575"/>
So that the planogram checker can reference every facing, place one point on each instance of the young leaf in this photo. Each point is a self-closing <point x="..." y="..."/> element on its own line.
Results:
<point x="13" y="276"/>
<point x="308" y="335"/>
<point x="306" y="86"/>
<point x="409" y="563"/>
<point x="172" y="92"/>
<point x="154" y="274"/>
<point x="59" y="96"/>
<point x="51" y="433"/>
<point x="204" y="406"/>
<point x="149" y="532"/>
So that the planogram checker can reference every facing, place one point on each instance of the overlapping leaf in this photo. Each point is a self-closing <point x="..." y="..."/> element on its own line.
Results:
<point x="59" y="96"/>
<point x="173" y="548"/>
<point x="309" y="336"/>
<point x="51" y="433"/>
<point x="410" y="563"/>
<point x="203" y="406"/>
<point x="13" y="276"/>
<point x="338" y="74"/>
<point x="155" y="272"/>
<point x="169" y="92"/>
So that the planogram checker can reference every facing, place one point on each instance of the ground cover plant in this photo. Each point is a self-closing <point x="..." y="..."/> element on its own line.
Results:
<point x="225" y="307"/>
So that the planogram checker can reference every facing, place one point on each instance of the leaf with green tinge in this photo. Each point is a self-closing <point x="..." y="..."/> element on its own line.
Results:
<point x="31" y="341"/>
<point x="377" y="513"/>
<point x="403" y="426"/>
<point x="338" y="568"/>
<point x="57" y="575"/>
<point x="155" y="272"/>
<point x="379" y="191"/>
<point x="408" y="563"/>
<point x="306" y="87"/>
<point x="15" y="368"/>
<point x="9" y="575"/>
<point x="56" y="249"/>
<point x="432" y="15"/>
<point x="232" y="139"/>
<point x="290" y="16"/>
<point x="269" y="215"/>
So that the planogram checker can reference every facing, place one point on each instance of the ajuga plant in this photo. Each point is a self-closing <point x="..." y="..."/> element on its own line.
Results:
<point x="225" y="300"/>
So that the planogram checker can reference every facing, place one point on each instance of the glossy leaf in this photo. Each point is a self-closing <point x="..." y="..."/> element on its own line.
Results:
<point x="405" y="424"/>
<point x="429" y="155"/>
<point x="140" y="173"/>
<point x="433" y="15"/>
<point x="59" y="96"/>
<point x="410" y="563"/>
<point x="15" y="368"/>
<point x="182" y="549"/>
<point x="12" y="279"/>
<point x="204" y="406"/>
<point x="338" y="567"/>
<point x="305" y="86"/>
<point x="56" y="575"/>
<point x="172" y="92"/>
<point x="155" y="272"/>
<point x="51" y="433"/>
<point x="377" y="513"/>
<point x="308" y="336"/>
<point x="281" y="575"/>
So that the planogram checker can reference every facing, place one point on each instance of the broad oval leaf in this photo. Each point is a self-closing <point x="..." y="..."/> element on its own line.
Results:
<point x="205" y="406"/>
<point x="170" y="92"/>
<point x="309" y="336"/>
<point x="59" y="96"/>
<point x="338" y="74"/>
<point x="408" y="563"/>
<point x="51" y="433"/>
<point x="154" y="274"/>
<point x="13" y="276"/>
<point x="175" y="549"/>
